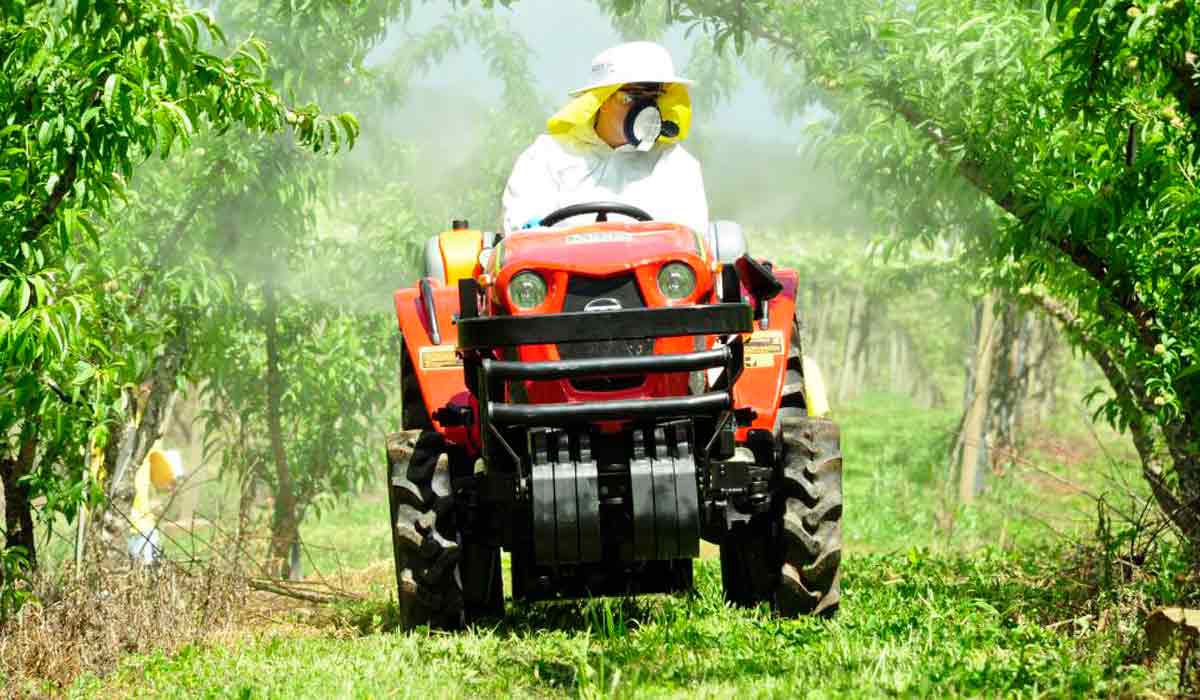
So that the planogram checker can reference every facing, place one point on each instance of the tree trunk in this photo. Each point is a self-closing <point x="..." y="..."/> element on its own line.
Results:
<point x="920" y="383"/>
<point x="1051" y="370"/>
<point x="18" y="506"/>
<point x="1180" y="505"/>
<point x="862" y="356"/>
<point x="847" y="371"/>
<point x="245" y="506"/>
<point x="1183" y="445"/>
<point x="150" y="408"/>
<point x="1009" y="380"/>
<point x="974" y="449"/>
<point x="820" y="339"/>
<point x="1037" y="371"/>
<point x="895" y="380"/>
<point x="1021" y="369"/>
<point x="285" y="526"/>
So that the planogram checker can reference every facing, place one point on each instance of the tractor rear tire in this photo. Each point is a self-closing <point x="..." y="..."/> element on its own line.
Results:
<point x="811" y="518"/>
<point x="791" y="556"/>
<point x="424" y="539"/>
<point x="442" y="579"/>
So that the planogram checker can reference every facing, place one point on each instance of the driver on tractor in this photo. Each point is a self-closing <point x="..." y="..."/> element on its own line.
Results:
<point x="595" y="400"/>
<point x="617" y="140"/>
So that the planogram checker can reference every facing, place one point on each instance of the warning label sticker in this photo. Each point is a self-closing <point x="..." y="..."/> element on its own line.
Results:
<point x="440" y="357"/>
<point x="762" y="347"/>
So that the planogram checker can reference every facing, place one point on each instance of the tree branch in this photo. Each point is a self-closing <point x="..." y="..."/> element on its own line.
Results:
<point x="1118" y="286"/>
<point x="970" y="168"/>
<point x="61" y="189"/>
<point x="1185" y="88"/>
<point x="1135" y="404"/>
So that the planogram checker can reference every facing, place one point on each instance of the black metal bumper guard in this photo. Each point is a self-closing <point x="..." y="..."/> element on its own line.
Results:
<point x="562" y="483"/>
<point x="728" y="357"/>
<point x="481" y="332"/>
<point x="563" y="477"/>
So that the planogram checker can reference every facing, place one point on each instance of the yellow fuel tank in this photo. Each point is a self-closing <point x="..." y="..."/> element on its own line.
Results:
<point x="460" y="249"/>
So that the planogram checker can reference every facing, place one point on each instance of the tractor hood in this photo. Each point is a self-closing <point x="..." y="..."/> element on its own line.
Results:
<point x="609" y="250"/>
<point x="599" y="249"/>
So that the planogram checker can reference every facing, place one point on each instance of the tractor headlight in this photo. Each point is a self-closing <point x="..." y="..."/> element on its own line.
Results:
<point x="527" y="290"/>
<point x="676" y="280"/>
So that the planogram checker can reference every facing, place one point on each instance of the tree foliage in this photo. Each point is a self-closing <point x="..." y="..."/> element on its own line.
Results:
<point x="261" y="346"/>
<point x="1060" y="141"/>
<point x="295" y="255"/>
<point x="89" y="91"/>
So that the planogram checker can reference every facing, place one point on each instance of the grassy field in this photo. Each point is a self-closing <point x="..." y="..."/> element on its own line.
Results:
<point x="985" y="601"/>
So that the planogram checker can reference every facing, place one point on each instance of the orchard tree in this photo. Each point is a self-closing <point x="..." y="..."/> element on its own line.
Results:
<point x="291" y="269"/>
<point x="306" y="245"/>
<point x="217" y="234"/>
<point x="89" y="91"/>
<point x="1063" y="139"/>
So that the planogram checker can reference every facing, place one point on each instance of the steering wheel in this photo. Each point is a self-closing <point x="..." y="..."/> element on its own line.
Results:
<point x="600" y="209"/>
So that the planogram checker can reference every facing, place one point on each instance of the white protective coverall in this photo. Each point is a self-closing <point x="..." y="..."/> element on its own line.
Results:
<point x="571" y="165"/>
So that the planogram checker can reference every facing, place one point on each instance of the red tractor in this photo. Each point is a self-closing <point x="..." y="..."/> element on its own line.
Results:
<point x="595" y="401"/>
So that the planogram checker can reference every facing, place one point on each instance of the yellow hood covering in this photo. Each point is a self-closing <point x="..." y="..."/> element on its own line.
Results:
<point x="577" y="119"/>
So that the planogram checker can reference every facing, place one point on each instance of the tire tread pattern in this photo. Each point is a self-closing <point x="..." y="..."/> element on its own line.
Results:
<point x="423" y="535"/>
<point x="791" y="557"/>
<point x="812" y="517"/>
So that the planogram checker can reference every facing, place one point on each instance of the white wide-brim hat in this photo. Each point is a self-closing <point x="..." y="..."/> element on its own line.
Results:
<point x="635" y="62"/>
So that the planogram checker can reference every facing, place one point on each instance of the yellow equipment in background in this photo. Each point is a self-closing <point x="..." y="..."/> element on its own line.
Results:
<point x="165" y="468"/>
<point x="161" y="469"/>
<point x="814" y="388"/>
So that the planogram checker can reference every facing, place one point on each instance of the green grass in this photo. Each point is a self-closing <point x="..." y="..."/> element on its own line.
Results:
<point x="350" y="537"/>
<point x="896" y="459"/>
<point x="910" y="625"/>
<point x="979" y="608"/>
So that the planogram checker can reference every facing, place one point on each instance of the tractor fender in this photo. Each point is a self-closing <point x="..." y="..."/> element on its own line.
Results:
<point x="726" y="241"/>
<point x="438" y="368"/>
<point x="766" y="349"/>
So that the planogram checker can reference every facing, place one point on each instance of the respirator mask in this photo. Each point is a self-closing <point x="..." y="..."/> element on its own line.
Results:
<point x="644" y="123"/>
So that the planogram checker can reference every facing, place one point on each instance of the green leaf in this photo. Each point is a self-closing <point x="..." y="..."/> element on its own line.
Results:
<point x="23" y="300"/>
<point x="1137" y="24"/>
<point x="110" y="89"/>
<point x="83" y="373"/>
<point x="90" y="114"/>
<point x="81" y="13"/>
<point x="89" y="228"/>
<point x="970" y="24"/>
<point x="49" y="326"/>
<point x="1188" y="371"/>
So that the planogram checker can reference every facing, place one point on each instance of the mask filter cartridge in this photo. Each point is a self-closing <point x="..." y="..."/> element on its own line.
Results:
<point x="644" y="125"/>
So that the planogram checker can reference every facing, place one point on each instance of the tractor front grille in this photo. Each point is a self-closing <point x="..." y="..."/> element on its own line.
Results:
<point x="605" y="293"/>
